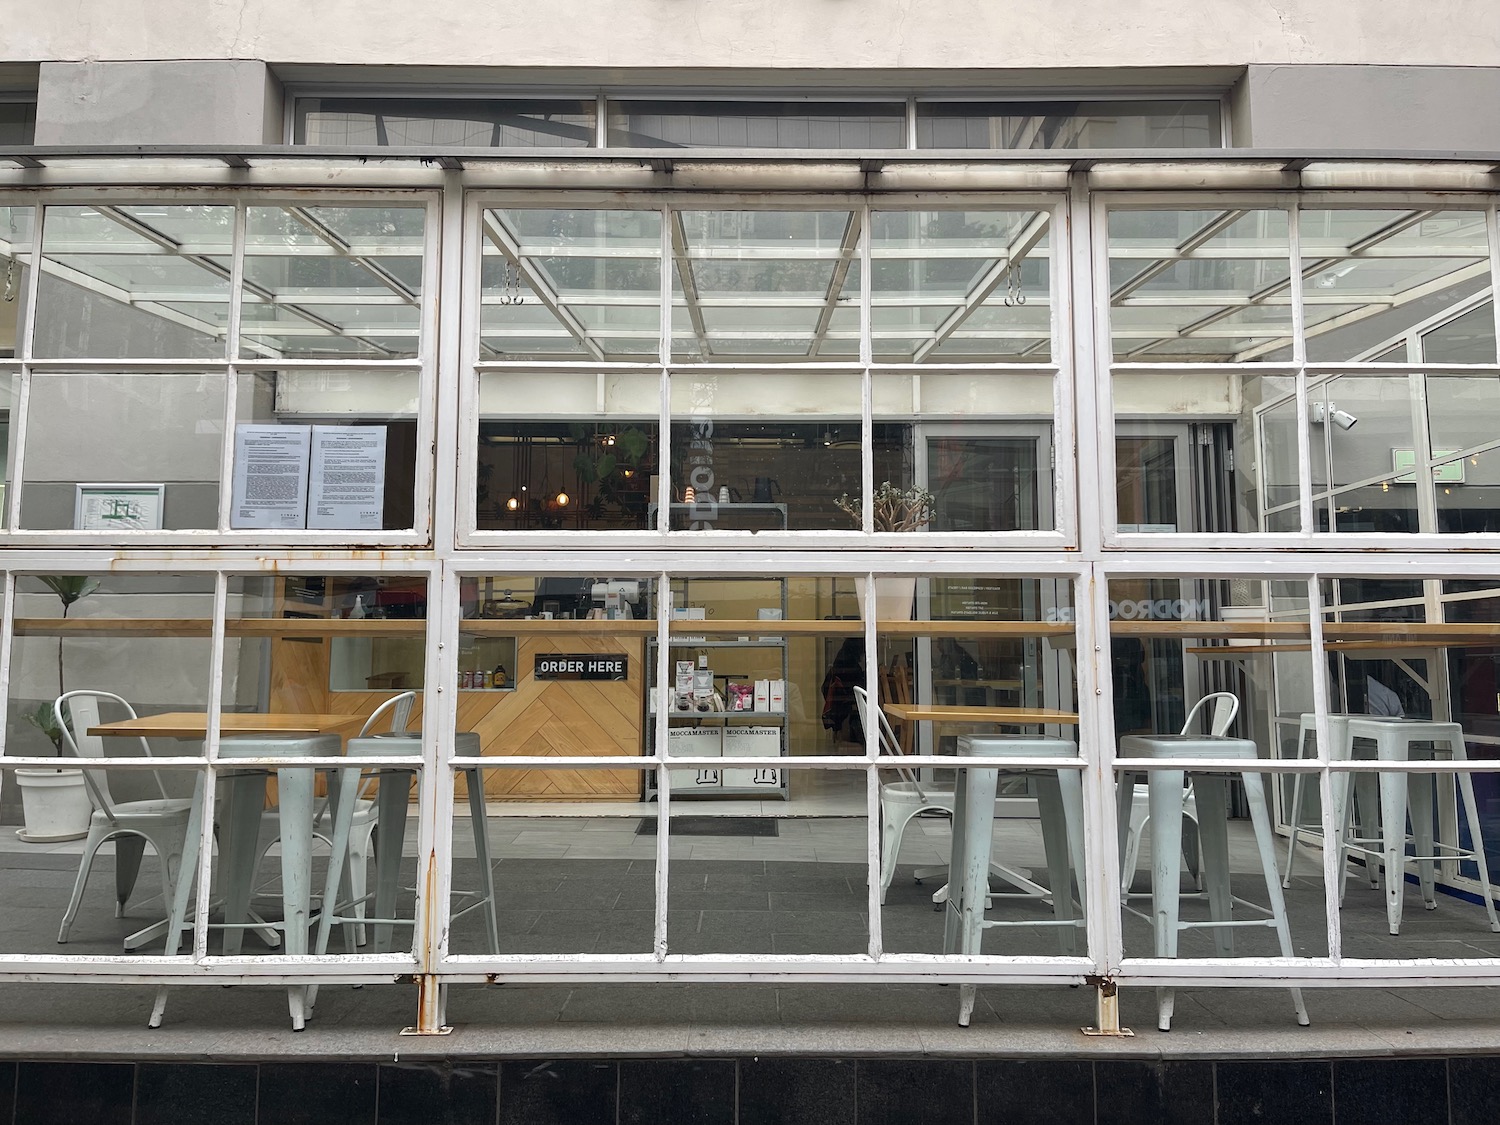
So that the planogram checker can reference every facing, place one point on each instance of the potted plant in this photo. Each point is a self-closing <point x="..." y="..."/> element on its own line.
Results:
<point x="55" y="802"/>
<point x="894" y="509"/>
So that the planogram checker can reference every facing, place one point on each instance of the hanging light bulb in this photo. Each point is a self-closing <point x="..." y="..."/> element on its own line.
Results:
<point x="562" y="499"/>
<point x="512" y="504"/>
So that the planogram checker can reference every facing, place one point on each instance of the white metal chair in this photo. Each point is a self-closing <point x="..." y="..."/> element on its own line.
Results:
<point x="1226" y="706"/>
<point x="900" y="800"/>
<point x="161" y="822"/>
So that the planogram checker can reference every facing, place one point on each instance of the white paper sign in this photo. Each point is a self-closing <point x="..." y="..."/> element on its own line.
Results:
<point x="117" y="507"/>
<point x="270" y="476"/>
<point x="346" y="491"/>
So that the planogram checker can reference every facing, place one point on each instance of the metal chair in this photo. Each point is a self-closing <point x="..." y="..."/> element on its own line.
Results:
<point x="161" y="822"/>
<point x="900" y="800"/>
<point x="1226" y="706"/>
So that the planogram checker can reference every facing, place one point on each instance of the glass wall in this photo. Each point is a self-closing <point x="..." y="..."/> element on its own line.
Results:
<point x="724" y="581"/>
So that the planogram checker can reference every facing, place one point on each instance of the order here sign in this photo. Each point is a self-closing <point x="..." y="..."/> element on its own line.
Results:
<point x="581" y="666"/>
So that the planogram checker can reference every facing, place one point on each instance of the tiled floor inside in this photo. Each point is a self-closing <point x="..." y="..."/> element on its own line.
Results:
<point x="567" y="882"/>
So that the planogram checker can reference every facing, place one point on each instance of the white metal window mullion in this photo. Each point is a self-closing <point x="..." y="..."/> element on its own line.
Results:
<point x="1299" y="359"/>
<point x="1492" y="229"/>
<point x="441" y="324"/>
<point x="664" y="387"/>
<point x="23" y="392"/>
<point x="866" y="394"/>
<point x="7" y="641"/>
<point x="1074" y="385"/>
<point x="1098" y="515"/>
<point x="467" y="274"/>
<point x="1333" y="867"/>
<point x="210" y="778"/>
<point x="436" y="811"/>
<point x="232" y="346"/>
<point x="1101" y="845"/>
<point x="659" y="752"/>
<point x="455" y="454"/>
<point x="873" y="834"/>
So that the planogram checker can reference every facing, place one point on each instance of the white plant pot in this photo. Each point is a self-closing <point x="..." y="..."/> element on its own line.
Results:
<point x="55" y="804"/>
<point x="895" y="597"/>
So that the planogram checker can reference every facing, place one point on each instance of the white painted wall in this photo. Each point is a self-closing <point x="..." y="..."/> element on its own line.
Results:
<point x="821" y="34"/>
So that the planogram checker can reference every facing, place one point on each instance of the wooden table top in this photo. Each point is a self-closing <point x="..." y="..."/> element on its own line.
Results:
<point x="958" y="713"/>
<point x="194" y="724"/>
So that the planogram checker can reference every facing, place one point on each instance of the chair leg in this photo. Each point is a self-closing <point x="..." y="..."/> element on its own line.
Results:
<point x="979" y="811"/>
<point x="128" y="851"/>
<point x="295" y="796"/>
<point x="1419" y="801"/>
<point x="97" y="836"/>
<point x="1393" y="843"/>
<point x="480" y="821"/>
<point x="360" y="849"/>
<point x="892" y="831"/>
<point x="187" y="867"/>
<point x="1265" y="840"/>
<point x="1476" y="841"/>
<point x="1210" y="792"/>
<point x="1055" y="844"/>
<point x="1165" y="790"/>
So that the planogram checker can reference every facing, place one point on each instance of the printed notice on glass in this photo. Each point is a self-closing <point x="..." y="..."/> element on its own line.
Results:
<point x="270" y="477"/>
<point x="347" y="489"/>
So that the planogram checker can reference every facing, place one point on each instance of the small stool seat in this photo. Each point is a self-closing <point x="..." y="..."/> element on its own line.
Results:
<point x="1165" y="793"/>
<point x="244" y="800"/>
<point x="1403" y="740"/>
<point x="1060" y="802"/>
<point x="392" y="798"/>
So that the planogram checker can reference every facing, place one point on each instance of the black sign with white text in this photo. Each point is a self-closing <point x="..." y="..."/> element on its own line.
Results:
<point x="581" y="666"/>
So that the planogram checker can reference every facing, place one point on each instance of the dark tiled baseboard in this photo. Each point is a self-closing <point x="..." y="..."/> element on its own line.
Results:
<point x="759" y="1091"/>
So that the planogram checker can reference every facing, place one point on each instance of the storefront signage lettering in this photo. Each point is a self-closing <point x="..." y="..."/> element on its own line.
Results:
<point x="581" y="666"/>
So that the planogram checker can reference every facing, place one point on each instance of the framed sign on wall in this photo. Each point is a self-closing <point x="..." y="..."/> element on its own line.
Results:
<point x="118" y="507"/>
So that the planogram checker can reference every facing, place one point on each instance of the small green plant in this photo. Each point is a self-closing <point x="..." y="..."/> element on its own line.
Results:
<point x="69" y="588"/>
<point x="895" y="508"/>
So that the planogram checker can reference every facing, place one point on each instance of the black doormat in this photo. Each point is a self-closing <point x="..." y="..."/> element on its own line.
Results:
<point x="714" y="826"/>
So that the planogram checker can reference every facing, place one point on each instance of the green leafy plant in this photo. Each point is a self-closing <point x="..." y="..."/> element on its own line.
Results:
<point x="895" y="508"/>
<point x="70" y="589"/>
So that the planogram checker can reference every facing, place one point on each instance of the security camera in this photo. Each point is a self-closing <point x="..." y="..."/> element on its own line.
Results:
<point x="1322" y="413"/>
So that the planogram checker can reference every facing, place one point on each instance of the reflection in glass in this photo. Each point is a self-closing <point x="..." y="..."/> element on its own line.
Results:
<point x="766" y="124"/>
<point x="1053" y="125"/>
<point x="334" y="282"/>
<point x="961" y="285"/>
<point x="135" y="281"/>
<point x="466" y="122"/>
<point x="1208" y="286"/>
<point x="134" y="429"/>
<point x="1372" y="275"/>
<point x="15" y="265"/>
<point x="570" y="282"/>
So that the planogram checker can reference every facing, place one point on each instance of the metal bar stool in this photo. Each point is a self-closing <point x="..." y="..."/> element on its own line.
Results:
<point x="1060" y="801"/>
<point x="1399" y="740"/>
<point x="1165" y="792"/>
<point x="1365" y="799"/>
<point x="393" y="802"/>
<point x="239" y="835"/>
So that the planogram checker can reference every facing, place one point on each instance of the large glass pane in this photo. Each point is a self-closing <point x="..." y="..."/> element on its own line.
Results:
<point x="961" y="285"/>
<point x="1220" y="670"/>
<point x="1121" y="124"/>
<point x="1372" y="275"/>
<point x="325" y="450"/>
<point x="772" y="451"/>
<point x="91" y="653"/>
<point x="566" y="450"/>
<point x="570" y="283"/>
<point x="980" y="443"/>
<point x="980" y="666"/>
<point x="132" y="452"/>
<point x="765" y="286"/>
<point x="466" y="122"/>
<point x="1205" y="451"/>
<point x="768" y="124"/>
<point x="1362" y="429"/>
<point x="1204" y="286"/>
<point x="332" y="282"/>
<point x="135" y="281"/>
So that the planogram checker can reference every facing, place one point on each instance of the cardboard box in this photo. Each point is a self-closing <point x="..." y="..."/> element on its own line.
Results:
<point x="696" y="742"/>
<point x="752" y="742"/>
